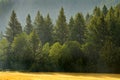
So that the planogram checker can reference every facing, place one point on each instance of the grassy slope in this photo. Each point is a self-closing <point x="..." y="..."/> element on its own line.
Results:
<point x="56" y="76"/>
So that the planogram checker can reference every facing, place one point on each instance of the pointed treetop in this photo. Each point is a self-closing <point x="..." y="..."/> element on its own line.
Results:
<point x="28" y="19"/>
<point x="104" y="10"/>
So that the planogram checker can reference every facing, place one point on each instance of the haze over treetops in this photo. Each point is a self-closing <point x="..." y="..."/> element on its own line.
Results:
<point x="23" y="7"/>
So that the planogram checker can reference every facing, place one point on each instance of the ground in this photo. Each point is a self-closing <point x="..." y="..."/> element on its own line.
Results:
<point x="57" y="76"/>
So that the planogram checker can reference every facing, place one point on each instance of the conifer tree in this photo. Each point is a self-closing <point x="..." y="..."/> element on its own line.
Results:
<point x="48" y="30"/>
<point x="71" y="26"/>
<point x="14" y="27"/>
<point x="104" y="10"/>
<point x="28" y="27"/>
<point x="39" y="24"/>
<point x="97" y="11"/>
<point x="61" y="31"/>
<point x="77" y="32"/>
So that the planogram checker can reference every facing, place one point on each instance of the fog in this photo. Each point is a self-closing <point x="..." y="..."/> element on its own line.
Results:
<point x="25" y="7"/>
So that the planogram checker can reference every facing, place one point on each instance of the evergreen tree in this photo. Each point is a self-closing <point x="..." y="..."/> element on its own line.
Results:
<point x="40" y="26"/>
<point x="35" y="43"/>
<point x="104" y="10"/>
<point x="29" y="27"/>
<point x="77" y="32"/>
<point x="48" y="30"/>
<point x="111" y="24"/>
<point x="61" y="31"/>
<point x="71" y="26"/>
<point x="14" y="27"/>
<point x="116" y="37"/>
<point x="97" y="33"/>
<point x="97" y="11"/>
<point x="111" y="55"/>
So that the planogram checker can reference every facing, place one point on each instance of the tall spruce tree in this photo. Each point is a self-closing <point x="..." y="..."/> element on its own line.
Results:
<point x="28" y="27"/>
<point x="48" y="30"/>
<point x="104" y="10"/>
<point x="14" y="27"/>
<point x="40" y="26"/>
<point x="116" y="36"/>
<point x="111" y="24"/>
<point x="71" y="26"/>
<point x="77" y="32"/>
<point x="97" y="11"/>
<point x="61" y="31"/>
<point x="97" y="32"/>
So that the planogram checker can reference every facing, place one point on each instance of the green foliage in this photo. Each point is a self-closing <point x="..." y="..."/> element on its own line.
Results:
<point x="77" y="31"/>
<point x="44" y="28"/>
<point x="39" y="26"/>
<point x="97" y="11"/>
<point x="91" y="45"/>
<point x="71" y="58"/>
<point x="61" y="31"/>
<point x="111" y="55"/>
<point x="48" y="30"/>
<point x="29" y="27"/>
<point x="34" y="42"/>
<point x="3" y="45"/>
<point x="55" y="54"/>
<point x="22" y="54"/>
<point x="104" y="10"/>
<point x="14" y="27"/>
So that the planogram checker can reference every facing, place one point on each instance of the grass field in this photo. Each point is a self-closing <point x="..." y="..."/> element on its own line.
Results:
<point x="56" y="76"/>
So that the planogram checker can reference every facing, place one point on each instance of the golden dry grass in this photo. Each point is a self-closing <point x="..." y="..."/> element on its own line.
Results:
<point x="56" y="76"/>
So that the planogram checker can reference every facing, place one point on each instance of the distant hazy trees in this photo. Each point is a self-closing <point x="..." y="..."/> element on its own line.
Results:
<point x="82" y="45"/>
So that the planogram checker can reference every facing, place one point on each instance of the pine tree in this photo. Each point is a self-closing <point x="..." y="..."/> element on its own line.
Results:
<point x="97" y="33"/>
<point x="29" y="27"/>
<point x="77" y="32"/>
<point x="35" y="42"/>
<point x="116" y="37"/>
<point x="61" y="31"/>
<point x="71" y="26"/>
<point x="97" y="11"/>
<point x="40" y="26"/>
<point x="111" y="23"/>
<point x="104" y="10"/>
<point x="48" y="30"/>
<point x="14" y="27"/>
<point x="111" y="55"/>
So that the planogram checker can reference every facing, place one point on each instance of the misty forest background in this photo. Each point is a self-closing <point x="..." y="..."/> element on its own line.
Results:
<point x="84" y="44"/>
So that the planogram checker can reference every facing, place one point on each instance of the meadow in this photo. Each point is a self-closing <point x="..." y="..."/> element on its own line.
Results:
<point x="57" y="76"/>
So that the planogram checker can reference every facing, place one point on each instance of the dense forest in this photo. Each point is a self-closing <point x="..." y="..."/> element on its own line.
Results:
<point x="84" y="44"/>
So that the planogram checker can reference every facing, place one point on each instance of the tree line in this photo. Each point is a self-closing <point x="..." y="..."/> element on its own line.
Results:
<point x="84" y="44"/>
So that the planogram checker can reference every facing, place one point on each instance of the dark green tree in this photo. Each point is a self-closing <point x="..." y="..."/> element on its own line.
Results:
<point x="40" y="26"/>
<point x="48" y="30"/>
<point x="111" y="55"/>
<point x="77" y="32"/>
<point x="28" y="27"/>
<point x="14" y="27"/>
<point x="71" y="26"/>
<point x="97" y="11"/>
<point x="104" y="10"/>
<point x="72" y="57"/>
<point x="97" y="33"/>
<point x="61" y="31"/>
<point x="116" y="28"/>
<point x="35" y="43"/>
<point x="22" y="57"/>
